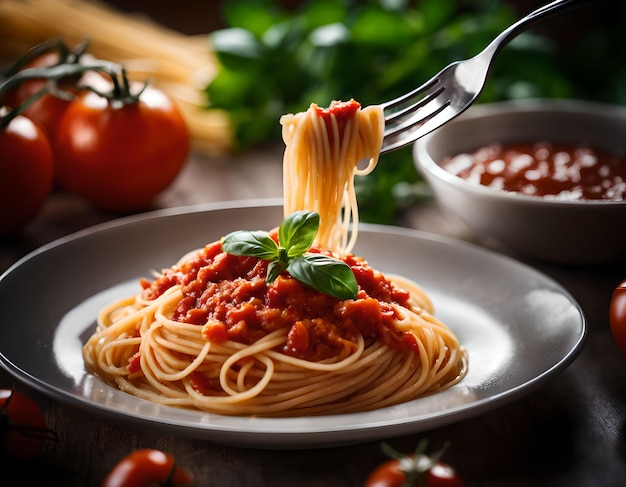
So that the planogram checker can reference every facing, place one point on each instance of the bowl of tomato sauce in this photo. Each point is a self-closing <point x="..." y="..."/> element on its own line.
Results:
<point x="545" y="179"/>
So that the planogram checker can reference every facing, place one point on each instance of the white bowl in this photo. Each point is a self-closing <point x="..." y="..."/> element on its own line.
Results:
<point x="566" y="232"/>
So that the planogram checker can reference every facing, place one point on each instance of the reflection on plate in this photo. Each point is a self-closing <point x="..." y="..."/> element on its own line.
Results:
<point x="519" y="326"/>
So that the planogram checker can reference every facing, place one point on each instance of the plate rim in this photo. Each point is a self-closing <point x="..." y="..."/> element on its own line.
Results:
<point x="312" y="438"/>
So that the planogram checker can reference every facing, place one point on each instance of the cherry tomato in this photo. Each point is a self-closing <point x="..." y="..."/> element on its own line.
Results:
<point x="118" y="155"/>
<point x="26" y="172"/>
<point x="414" y="470"/>
<point x="47" y="110"/>
<point x="22" y="426"/>
<point x="16" y="95"/>
<point x="617" y="316"/>
<point x="147" y="467"/>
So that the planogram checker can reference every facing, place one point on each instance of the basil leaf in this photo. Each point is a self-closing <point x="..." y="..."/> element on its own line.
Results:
<point x="252" y="244"/>
<point x="295" y="237"/>
<point x="325" y="274"/>
<point x="274" y="268"/>
<point x="297" y="232"/>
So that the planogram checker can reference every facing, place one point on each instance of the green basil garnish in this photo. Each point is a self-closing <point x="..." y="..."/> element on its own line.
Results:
<point x="295" y="236"/>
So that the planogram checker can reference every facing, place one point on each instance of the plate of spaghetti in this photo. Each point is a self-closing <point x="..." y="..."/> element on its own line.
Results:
<point x="285" y="323"/>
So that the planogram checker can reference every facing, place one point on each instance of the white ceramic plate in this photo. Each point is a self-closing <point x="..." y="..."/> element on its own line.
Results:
<point x="519" y="326"/>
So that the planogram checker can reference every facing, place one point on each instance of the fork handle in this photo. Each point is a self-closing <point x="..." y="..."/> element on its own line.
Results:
<point x="534" y="17"/>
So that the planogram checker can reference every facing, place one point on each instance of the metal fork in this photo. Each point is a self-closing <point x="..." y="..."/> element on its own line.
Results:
<point x="454" y="88"/>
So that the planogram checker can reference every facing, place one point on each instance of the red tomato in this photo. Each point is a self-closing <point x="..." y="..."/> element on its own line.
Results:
<point x="147" y="467"/>
<point x="18" y="94"/>
<point x="46" y="110"/>
<point x="119" y="156"/>
<point x="617" y="316"/>
<point x="414" y="470"/>
<point x="26" y="172"/>
<point x="22" y="426"/>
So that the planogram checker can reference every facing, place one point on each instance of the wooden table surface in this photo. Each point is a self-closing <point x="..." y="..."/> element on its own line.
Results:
<point x="569" y="432"/>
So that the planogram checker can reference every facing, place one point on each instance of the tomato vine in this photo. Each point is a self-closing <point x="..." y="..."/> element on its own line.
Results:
<point x="115" y="142"/>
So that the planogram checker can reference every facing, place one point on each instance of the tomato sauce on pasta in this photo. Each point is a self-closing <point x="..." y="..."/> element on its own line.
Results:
<point x="230" y="293"/>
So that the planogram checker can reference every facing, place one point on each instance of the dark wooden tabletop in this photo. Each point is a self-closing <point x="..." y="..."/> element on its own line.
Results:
<point x="569" y="432"/>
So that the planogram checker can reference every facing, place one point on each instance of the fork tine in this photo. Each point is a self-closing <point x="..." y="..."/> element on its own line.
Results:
<point x="417" y="113"/>
<point x="414" y="108"/>
<point x="408" y="133"/>
<point x="421" y="92"/>
<point x="426" y="97"/>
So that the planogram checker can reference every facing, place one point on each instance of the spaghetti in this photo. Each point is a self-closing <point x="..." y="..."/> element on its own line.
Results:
<point x="210" y="333"/>
<point x="323" y="149"/>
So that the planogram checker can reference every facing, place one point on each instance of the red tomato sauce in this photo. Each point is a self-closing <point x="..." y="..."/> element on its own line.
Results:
<point x="341" y="111"/>
<point x="555" y="170"/>
<point x="231" y="292"/>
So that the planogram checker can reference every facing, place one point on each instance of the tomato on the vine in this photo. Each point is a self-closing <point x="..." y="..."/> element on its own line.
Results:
<point x="23" y="429"/>
<point x="147" y="467"/>
<point x="119" y="154"/>
<point x="417" y="469"/>
<point x="26" y="171"/>
<point x="113" y="144"/>
<point x="47" y="109"/>
<point x="617" y="316"/>
<point x="16" y="95"/>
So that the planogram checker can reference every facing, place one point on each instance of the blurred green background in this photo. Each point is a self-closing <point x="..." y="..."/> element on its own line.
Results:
<point x="278" y="56"/>
<point x="278" y="59"/>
